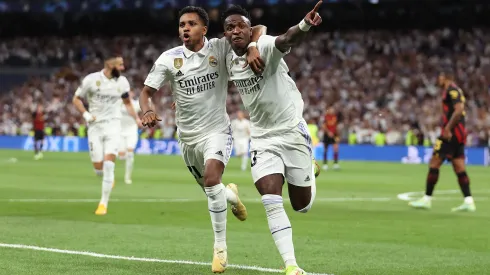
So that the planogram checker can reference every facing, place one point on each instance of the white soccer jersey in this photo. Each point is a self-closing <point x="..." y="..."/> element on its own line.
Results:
<point x="272" y="99"/>
<point x="128" y="123"/>
<point x="241" y="129"/>
<point x="199" y="83"/>
<point x="103" y="95"/>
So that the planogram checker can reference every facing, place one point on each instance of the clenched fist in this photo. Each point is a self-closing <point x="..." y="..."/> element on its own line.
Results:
<point x="150" y="119"/>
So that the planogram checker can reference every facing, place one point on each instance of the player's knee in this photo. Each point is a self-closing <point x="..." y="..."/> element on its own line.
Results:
<point x="211" y="179"/>
<point x="305" y="209"/>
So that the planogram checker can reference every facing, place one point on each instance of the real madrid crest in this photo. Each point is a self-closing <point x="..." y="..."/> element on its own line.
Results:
<point x="97" y="83"/>
<point x="178" y="62"/>
<point x="213" y="61"/>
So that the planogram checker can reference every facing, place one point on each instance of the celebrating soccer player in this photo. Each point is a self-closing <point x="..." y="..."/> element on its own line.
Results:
<point x="280" y="142"/>
<point x="450" y="145"/>
<point x="199" y="82"/>
<point x="103" y="91"/>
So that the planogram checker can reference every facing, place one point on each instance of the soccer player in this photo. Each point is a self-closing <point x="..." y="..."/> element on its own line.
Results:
<point x="199" y="82"/>
<point x="280" y="143"/>
<point x="241" y="137"/>
<point x="38" y="126"/>
<point x="450" y="145"/>
<point x="330" y="137"/>
<point x="103" y="91"/>
<point x="129" y="138"/>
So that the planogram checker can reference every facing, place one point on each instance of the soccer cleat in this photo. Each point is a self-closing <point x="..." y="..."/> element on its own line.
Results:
<point x="421" y="204"/>
<point x="128" y="181"/>
<point x="38" y="156"/>
<point x="101" y="210"/>
<point x="239" y="210"/>
<point x="465" y="207"/>
<point x="325" y="167"/>
<point x="294" y="270"/>
<point x="220" y="260"/>
<point x="317" y="168"/>
<point x="336" y="166"/>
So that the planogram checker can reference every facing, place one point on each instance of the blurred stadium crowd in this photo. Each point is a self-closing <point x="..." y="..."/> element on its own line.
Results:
<point x="377" y="81"/>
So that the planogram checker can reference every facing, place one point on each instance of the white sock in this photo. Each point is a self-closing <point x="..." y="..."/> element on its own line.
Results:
<point x="427" y="198"/>
<point x="99" y="173"/>
<point x="107" y="181"/>
<point x="129" y="164"/>
<point x="280" y="227"/>
<point x="217" y="209"/>
<point x="244" y="161"/>
<point x="469" y="200"/>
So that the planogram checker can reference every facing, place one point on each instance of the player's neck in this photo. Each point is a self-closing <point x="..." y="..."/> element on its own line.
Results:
<point x="107" y="73"/>
<point x="196" y="47"/>
<point x="447" y="84"/>
<point x="240" y="52"/>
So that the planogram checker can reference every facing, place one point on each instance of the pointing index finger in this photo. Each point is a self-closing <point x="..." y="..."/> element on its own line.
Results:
<point x="317" y="6"/>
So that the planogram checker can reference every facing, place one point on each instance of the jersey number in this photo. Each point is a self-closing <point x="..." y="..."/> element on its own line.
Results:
<point x="438" y="145"/>
<point x="254" y="158"/>
<point x="194" y="172"/>
<point x="91" y="146"/>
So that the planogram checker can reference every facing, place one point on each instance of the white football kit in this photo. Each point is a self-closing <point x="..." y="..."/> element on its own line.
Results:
<point x="199" y="83"/>
<point x="129" y="128"/>
<point x="241" y="135"/>
<point x="104" y="100"/>
<point x="280" y="142"/>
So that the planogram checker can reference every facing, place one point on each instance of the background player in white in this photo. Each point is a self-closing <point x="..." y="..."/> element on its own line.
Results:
<point x="129" y="137"/>
<point x="241" y="137"/>
<point x="103" y="91"/>
<point x="199" y="82"/>
<point x="280" y="144"/>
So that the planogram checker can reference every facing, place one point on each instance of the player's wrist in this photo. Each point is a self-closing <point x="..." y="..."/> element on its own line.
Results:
<point x="252" y="44"/>
<point x="304" y="26"/>
<point x="87" y="116"/>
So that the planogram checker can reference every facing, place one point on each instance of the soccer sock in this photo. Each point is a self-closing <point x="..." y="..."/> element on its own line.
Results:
<point x="41" y="145"/>
<point x="432" y="178"/>
<point x="280" y="227"/>
<point x="99" y="173"/>
<point x="244" y="161"/>
<point x="107" y="181"/>
<point x="335" y="157"/>
<point x="129" y="164"/>
<point x="325" y="153"/>
<point x="230" y="196"/>
<point x="464" y="183"/>
<point x="217" y="209"/>
<point x="36" y="144"/>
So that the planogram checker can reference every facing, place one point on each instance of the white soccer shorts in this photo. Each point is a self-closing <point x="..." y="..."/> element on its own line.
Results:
<point x="103" y="139"/>
<point x="216" y="146"/>
<point x="241" y="146"/>
<point x="289" y="154"/>
<point x="128" y="141"/>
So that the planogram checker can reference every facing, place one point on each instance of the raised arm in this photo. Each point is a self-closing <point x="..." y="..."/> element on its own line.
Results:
<point x="297" y="33"/>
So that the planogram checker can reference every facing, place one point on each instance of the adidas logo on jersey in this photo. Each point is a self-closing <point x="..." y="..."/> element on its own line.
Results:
<point x="179" y="73"/>
<point x="307" y="178"/>
<point x="219" y="153"/>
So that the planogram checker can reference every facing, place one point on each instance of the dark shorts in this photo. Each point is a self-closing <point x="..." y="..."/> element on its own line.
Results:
<point x="328" y="140"/>
<point x="38" y="135"/>
<point x="448" y="150"/>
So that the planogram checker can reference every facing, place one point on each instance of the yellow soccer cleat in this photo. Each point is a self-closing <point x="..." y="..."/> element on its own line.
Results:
<point x="317" y="169"/>
<point x="220" y="260"/>
<point x="239" y="210"/>
<point x="113" y="184"/>
<point x="294" y="270"/>
<point x="101" y="210"/>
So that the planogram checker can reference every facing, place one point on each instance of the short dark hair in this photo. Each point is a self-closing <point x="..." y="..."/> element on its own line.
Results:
<point x="235" y="9"/>
<point x="203" y="15"/>
<point x="111" y="55"/>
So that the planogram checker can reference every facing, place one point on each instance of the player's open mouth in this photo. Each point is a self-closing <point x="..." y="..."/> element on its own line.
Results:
<point x="237" y="39"/>
<point x="186" y="37"/>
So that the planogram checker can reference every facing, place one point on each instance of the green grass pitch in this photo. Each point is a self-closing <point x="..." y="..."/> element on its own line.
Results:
<point x="357" y="226"/>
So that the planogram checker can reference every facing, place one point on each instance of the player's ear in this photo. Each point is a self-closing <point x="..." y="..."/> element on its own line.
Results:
<point x="204" y="30"/>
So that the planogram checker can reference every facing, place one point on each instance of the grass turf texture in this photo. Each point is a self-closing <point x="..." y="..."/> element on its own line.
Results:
<point x="339" y="236"/>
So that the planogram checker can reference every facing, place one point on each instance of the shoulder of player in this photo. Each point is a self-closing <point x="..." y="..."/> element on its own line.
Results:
<point x="265" y="40"/>
<point x="454" y="91"/>
<point x="169" y="55"/>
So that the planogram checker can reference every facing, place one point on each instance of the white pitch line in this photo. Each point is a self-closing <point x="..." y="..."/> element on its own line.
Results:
<point x="186" y="200"/>
<point x="117" y="257"/>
